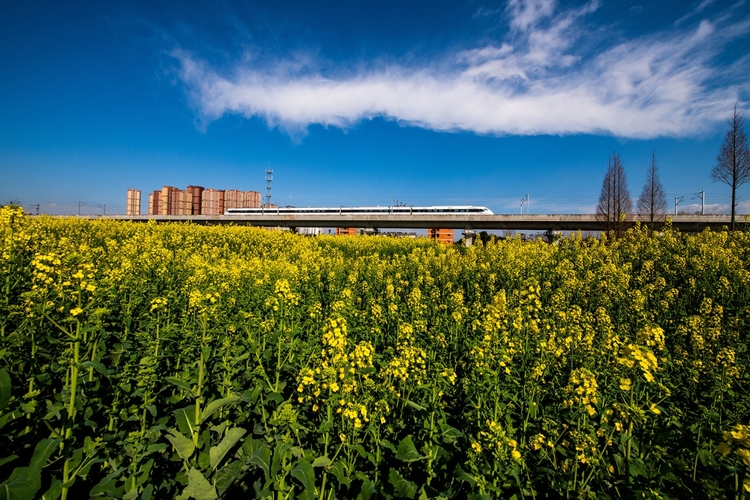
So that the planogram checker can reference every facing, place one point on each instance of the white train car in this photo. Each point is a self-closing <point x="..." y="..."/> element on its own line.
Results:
<point x="397" y="210"/>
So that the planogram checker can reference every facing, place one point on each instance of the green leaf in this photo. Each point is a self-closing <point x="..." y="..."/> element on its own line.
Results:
<point x="415" y="405"/>
<point x="179" y="383"/>
<point x="148" y="492"/>
<point x="198" y="487"/>
<point x="449" y="433"/>
<point x="108" y="485"/>
<point x="407" y="452"/>
<point x="339" y="470"/>
<point x="24" y="482"/>
<point x="637" y="469"/>
<point x="6" y="460"/>
<point x="401" y="487"/>
<point x="360" y="450"/>
<point x="182" y="445"/>
<point x="275" y="397"/>
<point x="321" y="462"/>
<point x="43" y="450"/>
<point x="155" y="448"/>
<point x="5" y="389"/>
<point x="464" y="476"/>
<point x="215" y="405"/>
<point x="96" y="366"/>
<point x="7" y="418"/>
<point x="280" y="454"/>
<point x="204" y="459"/>
<point x="387" y="445"/>
<point x="217" y="453"/>
<point x="186" y="420"/>
<point x="305" y="474"/>
<point x="54" y="491"/>
<point x="367" y="490"/>
<point x="225" y="476"/>
<point x="262" y="458"/>
<point x="251" y="396"/>
<point x="145" y="472"/>
<point x="705" y="457"/>
<point x="533" y="409"/>
<point x="250" y="446"/>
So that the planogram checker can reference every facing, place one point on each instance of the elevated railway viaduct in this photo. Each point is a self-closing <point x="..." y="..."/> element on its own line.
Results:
<point x="466" y="222"/>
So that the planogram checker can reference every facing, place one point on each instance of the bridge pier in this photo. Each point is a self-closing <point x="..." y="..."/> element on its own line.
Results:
<point x="469" y="235"/>
<point x="553" y="235"/>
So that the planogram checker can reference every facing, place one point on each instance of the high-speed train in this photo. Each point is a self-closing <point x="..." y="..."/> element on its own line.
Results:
<point x="395" y="210"/>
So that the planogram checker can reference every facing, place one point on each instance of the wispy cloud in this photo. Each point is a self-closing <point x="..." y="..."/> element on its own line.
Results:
<point x="541" y="79"/>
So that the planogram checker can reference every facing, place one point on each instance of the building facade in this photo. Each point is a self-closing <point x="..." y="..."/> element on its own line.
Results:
<point x="442" y="235"/>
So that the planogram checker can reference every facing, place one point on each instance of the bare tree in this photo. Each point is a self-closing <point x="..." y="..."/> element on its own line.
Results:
<point x="652" y="204"/>
<point x="733" y="163"/>
<point x="614" y="201"/>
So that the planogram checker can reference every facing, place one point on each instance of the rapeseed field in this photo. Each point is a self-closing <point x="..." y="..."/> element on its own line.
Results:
<point x="180" y="361"/>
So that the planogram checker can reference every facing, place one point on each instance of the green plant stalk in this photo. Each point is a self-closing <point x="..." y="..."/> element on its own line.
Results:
<point x="10" y="270"/>
<point x="278" y="364"/>
<point x="377" y="455"/>
<point x="591" y="473"/>
<point x="431" y="458"/>
<point x="92" y="358"/>
<point x="697" y="449"/>
<point x="327" y="437"/>
<point x="323" y="486"/>
<point x="199" y="391"/>
<point x="28" y="415"/>
<point x="71" y="409"/>
<point x="629" y="444"/>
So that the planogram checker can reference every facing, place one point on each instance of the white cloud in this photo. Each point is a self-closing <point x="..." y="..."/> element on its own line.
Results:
<point x="528" y="13"/>
<point x="540" y="80"/>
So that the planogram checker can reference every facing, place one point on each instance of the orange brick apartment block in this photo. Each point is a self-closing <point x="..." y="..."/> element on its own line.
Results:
<point x="442" y="235"/>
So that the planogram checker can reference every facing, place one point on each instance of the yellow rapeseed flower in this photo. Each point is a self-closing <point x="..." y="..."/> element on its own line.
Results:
<point x="724" y="449"/>
<point x="744" y="455"/>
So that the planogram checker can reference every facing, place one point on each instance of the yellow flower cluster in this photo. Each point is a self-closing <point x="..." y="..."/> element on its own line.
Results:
<point x="355" y="412"/>
<point x="283" y="290"/>
<point x="651" y="336"/>
<point x="634" y="355"/>
<point x="158" y="303"/>
<point x="408" y="363"/>
<point x="739" y="439"/>
<point x="338" y="369"/>
<point x="537" y="442"/>
<point x="583" y="388"/>
<point x="626" y="384"/>
<point x="497" y="440"/>
<point x="586" y="448"/>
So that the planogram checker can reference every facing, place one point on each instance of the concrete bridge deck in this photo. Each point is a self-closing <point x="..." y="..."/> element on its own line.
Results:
<point x="535" y="222"/>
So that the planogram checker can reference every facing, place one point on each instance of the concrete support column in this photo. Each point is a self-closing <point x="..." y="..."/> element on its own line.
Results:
<point x="469" y="235"/>
<point x="553" y="235"/>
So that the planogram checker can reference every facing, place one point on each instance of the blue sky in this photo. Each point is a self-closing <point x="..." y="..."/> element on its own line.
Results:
<point x="439" y="102"/>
